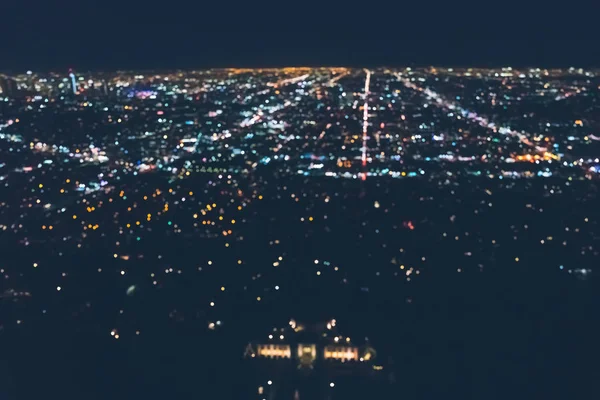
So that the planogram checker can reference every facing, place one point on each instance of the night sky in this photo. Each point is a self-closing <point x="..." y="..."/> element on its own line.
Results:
<point x="93" y="34"/>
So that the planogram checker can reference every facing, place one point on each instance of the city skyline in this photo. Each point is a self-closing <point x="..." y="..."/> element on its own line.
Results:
<point x="419" y="221"/>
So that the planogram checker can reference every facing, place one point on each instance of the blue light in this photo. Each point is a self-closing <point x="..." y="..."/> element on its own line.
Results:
<point x="72" y="75"/>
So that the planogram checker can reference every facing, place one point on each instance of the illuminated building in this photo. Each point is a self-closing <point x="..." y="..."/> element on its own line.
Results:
<point x="342" y="353"/>
<point x="274" y="350"/>
<point x="7" y="86"/>
<point x="73" y="82"/>
<point x="304" y="361"/>
<point x="308" y="346"/>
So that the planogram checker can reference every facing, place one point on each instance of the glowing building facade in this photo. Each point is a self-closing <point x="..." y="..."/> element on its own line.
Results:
<point x="73" y="82"/>
<point x="307" y="346"/>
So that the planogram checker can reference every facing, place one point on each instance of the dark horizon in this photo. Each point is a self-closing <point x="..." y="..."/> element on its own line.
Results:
<point x="184" y="35"/>
<point x="496" y="56"/>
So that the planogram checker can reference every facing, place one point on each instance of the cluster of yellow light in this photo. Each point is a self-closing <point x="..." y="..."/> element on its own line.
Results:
<point x="540" y="138"/>
<point x="341" y="353"/>
<point x="304" y="349"/>
<point x="274" y="350"/>
<point x="344" y="163"/>
<point x="532" y="158"/>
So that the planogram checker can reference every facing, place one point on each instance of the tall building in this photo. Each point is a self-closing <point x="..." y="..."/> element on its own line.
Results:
<point x="8" y="86"/>
<point x="73" y="82"/>
<point x="30" y="77"/>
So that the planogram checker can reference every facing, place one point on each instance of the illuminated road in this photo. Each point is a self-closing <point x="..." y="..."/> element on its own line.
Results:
<point x="441" y="102"/>
<point x="365" y="122"/>
<point x="258" y="117"/>
<point x="333" y="81"/>
<point x="289" y="81"/>
<point x="261" y="116"/>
